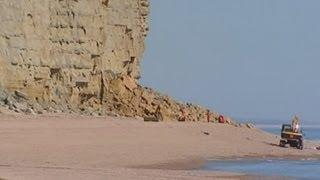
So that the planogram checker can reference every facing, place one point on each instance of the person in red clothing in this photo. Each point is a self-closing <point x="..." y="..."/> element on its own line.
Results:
<point x="221" y="119"/>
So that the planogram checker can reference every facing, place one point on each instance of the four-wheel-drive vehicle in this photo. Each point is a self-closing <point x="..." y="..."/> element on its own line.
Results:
<point x="294" y="139"/>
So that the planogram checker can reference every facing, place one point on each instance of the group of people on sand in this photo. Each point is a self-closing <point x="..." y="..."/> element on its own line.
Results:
<point x="221" y="119"/>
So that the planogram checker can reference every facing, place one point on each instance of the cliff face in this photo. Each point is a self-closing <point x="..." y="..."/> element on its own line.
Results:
<point x="80" y="56"/>
<point x="58" y="50"/>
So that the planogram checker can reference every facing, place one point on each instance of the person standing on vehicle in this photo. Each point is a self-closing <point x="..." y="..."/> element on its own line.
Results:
<point x="295" y="124"/>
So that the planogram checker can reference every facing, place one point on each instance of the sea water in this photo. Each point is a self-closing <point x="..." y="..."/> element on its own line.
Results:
<point x="303" y="168"/>
<point x="295" y="169"/>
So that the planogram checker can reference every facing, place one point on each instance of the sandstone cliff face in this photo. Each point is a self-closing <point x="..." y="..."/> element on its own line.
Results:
<point x="80" y="56"/>
<point x="57" y="50"/>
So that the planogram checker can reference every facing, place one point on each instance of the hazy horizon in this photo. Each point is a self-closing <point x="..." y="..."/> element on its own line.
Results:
<point x="255" y="59"/>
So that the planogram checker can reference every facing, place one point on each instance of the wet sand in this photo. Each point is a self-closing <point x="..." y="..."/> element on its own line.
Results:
<point x="77" y="147"/>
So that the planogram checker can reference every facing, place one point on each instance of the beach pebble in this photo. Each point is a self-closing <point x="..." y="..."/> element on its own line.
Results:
<point x="206" y="133"/>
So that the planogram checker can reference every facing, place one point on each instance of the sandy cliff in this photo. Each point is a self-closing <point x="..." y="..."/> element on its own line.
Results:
<point x="54" y="47"/>
<point x="80" y="56"/>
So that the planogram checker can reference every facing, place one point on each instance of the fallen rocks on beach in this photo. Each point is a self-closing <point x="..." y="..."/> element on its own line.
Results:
<point x="250" y="126"/>
<point x="246" y="125"/>
<point x="122" y="97"/>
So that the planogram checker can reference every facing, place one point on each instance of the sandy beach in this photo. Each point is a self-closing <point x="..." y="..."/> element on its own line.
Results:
<point x="159" y="89"/>
<point x="80" y="147"/>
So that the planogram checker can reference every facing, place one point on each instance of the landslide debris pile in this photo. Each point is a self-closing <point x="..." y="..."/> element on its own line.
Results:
<point x="121" y="96"/>
<point x="80" y="57"/>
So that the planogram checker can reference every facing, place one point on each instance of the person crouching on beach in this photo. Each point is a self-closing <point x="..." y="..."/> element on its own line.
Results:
<point x="221" y="119"/>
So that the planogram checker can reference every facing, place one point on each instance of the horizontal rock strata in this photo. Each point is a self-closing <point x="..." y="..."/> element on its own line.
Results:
<point x="80" y="56"/>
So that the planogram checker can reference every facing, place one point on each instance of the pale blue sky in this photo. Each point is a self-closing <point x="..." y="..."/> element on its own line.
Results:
<point x="257" y="59"/>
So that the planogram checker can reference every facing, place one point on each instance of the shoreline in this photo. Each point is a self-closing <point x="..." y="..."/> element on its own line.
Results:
<point x="197" y="165"/>
<point x="59" y="145"/>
